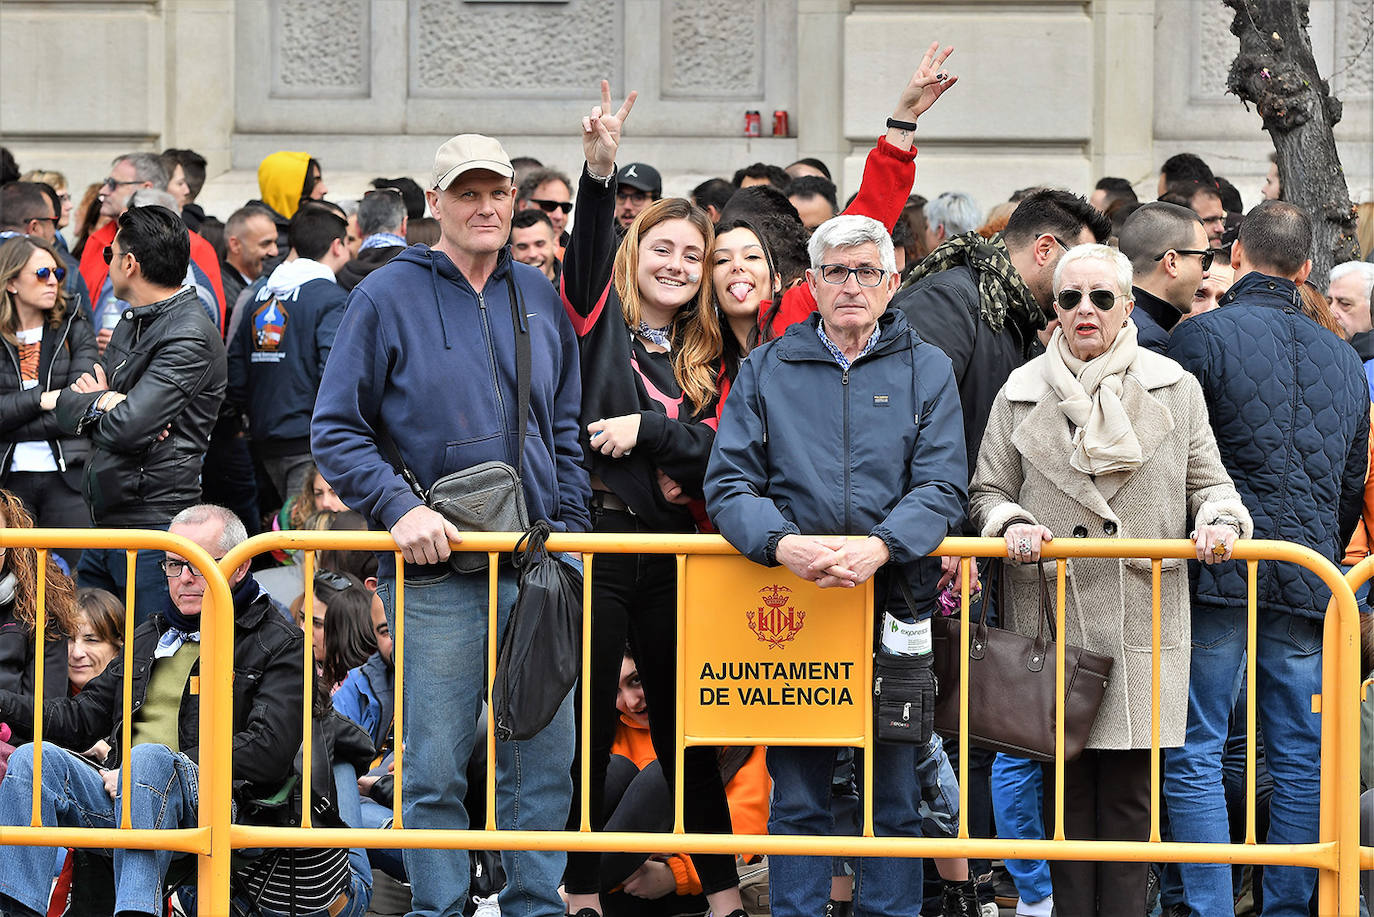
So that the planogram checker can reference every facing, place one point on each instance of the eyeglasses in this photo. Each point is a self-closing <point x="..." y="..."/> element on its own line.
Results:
<point x="1207" y="255"/>
<point x="622" y="195"/>
<point x="1101" y="299"/>
<point x="838" y="274"/>
<point x="551" y="206"/>
<point x="173" y="568"/>
<point x="43" y="273"/>
<point x="110" y="182"/>
<point x="332" y="580"/>
<point x="53" y="220"/>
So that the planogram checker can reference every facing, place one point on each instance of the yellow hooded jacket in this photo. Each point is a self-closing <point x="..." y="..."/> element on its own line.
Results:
<point x="281" y="178"/>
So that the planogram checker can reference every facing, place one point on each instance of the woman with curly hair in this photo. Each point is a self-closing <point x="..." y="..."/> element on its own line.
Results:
<point x="19" y="615"/>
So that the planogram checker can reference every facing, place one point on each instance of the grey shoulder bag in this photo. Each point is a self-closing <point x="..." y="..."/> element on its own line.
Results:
<point x="488" y="497"/>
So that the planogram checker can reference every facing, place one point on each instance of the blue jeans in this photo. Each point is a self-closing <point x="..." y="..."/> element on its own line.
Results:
<point x="1288" y="672"/>
<point x="1017" y="801"/>
<point x="107" y="568"/>
<point x="164" y="796"/>
<point x="883" y="886"/>
<point x="939" y="802"/>
<point x="445" y="658"/>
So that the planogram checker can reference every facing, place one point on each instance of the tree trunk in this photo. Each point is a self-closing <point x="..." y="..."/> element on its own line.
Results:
<point x="1276" y="71"/>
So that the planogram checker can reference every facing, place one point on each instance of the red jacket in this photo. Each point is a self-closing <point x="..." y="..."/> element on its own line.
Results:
<point x="94" y="270"/>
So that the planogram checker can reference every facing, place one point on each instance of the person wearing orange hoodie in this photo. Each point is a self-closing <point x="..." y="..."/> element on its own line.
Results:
<point x="638" y="798"/>
<point x="285" y="179"/>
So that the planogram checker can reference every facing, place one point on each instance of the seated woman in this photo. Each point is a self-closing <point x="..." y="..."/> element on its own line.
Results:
<point x="348" y="636"/>
<point x="18" y="616"/>
<point x="638" y="798"/>
<point x="1099" y="437"/>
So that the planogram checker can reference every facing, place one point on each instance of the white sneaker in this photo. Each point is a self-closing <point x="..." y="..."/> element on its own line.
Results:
<point x="988" y="910"/>
<point x="486" y="907"/>
<point x="1043" y="908"/>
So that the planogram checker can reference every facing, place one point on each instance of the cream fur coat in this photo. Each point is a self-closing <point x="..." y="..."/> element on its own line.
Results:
<point x="1023" y="472"/>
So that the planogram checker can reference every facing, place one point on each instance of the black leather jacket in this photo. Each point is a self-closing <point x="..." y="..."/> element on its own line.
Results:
<point x="67" y="351"/>
<point x="168" y="359"/>
<point x="268" y="686"/>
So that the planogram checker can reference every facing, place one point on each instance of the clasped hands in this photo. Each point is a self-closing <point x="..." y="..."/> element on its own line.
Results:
<point x="832" y="561"/>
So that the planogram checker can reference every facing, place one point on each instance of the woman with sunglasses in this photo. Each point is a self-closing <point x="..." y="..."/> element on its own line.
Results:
<point x="47" y="347"/>
<point x="1102" y="438"/>
<point x="650" y="348"/>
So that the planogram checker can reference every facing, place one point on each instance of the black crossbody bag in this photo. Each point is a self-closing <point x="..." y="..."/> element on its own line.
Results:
<point x="488" y="497"/>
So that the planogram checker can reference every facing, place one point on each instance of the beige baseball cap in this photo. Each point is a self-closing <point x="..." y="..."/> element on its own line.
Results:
<point x="467" y="152"/>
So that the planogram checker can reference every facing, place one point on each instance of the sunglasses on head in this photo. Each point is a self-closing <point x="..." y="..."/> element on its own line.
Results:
<point x="1101" y="299"/>
<point x="551" y="206"/>
<point x="332" y="580"/>
<point x="43" y="273"/>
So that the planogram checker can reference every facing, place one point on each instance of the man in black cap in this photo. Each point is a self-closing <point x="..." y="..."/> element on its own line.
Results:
<point x="637" y="186"/>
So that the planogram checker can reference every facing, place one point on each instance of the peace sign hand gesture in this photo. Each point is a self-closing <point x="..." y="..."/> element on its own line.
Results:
<point x="927" y="84"/>
<point x="601" y="131"/>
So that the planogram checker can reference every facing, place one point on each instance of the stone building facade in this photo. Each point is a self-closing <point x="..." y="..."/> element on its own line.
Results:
<point x="1051" y="91"/>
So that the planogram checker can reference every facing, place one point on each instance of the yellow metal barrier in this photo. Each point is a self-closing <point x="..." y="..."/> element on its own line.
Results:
<point x="1336" y="853"/>
<point x="1356" y="577"/>
<point x="217" y="642"/>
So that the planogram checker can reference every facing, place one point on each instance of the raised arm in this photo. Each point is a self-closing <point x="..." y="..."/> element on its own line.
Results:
<point x="587" y="262"/>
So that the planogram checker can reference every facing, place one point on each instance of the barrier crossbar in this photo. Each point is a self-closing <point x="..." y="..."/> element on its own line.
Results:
<point x="1336" y="854"/>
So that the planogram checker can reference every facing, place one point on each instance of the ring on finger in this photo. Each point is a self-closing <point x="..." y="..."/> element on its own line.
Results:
<point x="1023" y="546"/>
<point x="1219" y="549"/>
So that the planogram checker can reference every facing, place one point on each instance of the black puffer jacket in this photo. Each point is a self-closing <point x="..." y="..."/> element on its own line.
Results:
<point x="268" y="684"/>
<point x="168" y="359"/>
<point x="66" y="352"/>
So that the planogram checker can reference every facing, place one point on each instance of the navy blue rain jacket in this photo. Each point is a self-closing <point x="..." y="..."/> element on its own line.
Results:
<point x="806" y="447"/>
<point x="423" y="355"/>
<point x="1290" y="407"/>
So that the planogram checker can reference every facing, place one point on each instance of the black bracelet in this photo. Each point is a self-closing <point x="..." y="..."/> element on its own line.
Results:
<point x="909" y="126"/>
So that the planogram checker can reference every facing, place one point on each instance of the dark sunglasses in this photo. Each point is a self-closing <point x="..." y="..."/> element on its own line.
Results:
<point x="43" y="273"/>
<point x="53" y="220"/>
<point x="1207" y="255"/>
<point x="551" y="206"/>
<point x="108" y="253"/>
<point x="1104" y="300"/>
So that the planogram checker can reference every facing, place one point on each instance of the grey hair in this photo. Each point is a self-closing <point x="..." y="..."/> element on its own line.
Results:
<point x="147" y="167"/>
<point x="847" y="231"/>
<point x="382" y="210"/>
<point x="154" y="197"/>
<point x="232" y="533"/>
<point x="1096" y="252"/>
<point x="956" y="211"/>
<point x="1361" y="268"/>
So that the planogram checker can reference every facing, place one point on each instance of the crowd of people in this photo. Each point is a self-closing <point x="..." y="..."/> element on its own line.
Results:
<point x="742" y="361"/>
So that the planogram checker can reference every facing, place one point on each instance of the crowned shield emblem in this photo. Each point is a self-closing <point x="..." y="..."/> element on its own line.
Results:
<point x="776" y="622"/>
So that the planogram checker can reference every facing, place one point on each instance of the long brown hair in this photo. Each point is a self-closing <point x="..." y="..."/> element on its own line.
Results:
<point x="695" y="332"/>
<point x="15" y="253"/>
<point x="1315" y="307"/>
<point x="23" y="563"/>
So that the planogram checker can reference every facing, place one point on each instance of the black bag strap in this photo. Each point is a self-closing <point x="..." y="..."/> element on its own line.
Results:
<point x="523" y="371"/>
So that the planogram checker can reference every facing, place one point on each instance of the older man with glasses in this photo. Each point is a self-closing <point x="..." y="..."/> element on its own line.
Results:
<point x="165" y="729"/>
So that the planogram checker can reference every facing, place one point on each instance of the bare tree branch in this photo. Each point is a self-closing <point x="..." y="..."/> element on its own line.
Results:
<point x="1277" y="73"/>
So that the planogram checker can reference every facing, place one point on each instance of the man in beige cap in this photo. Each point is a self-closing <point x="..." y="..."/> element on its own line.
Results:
<point x="426" y="357"/>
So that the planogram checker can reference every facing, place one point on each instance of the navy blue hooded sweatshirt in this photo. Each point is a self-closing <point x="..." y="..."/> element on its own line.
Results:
<point x="422" y="354"/>
<point x="278" y="352"/>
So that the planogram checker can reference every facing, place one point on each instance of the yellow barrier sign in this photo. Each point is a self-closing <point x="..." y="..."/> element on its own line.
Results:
<point x="770" y="658"/>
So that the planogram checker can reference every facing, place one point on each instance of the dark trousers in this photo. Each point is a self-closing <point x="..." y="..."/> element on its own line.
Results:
<point x="634" y="596"/>
<point x="53" y="503"/>
<point x="1106" y="797"/>
<point x="638" y="801"/>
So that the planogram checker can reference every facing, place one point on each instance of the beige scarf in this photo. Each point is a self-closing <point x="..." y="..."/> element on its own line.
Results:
<point x="1090" y="397"/>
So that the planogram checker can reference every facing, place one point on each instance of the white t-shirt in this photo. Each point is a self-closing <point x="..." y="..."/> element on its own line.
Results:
<point x="34" y="455"/>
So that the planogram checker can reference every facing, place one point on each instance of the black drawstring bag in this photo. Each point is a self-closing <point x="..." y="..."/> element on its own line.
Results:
<point x="540" y="655"/>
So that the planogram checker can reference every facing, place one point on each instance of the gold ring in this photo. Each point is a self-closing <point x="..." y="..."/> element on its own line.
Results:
<point x="1219" y="549"/>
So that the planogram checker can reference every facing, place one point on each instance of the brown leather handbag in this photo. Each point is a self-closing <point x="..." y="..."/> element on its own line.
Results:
<point x="1012" y="703"/>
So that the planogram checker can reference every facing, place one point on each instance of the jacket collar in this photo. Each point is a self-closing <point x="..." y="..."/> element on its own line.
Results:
<point x="801" y="342"/>
<point x="1164" y="313"/>
<point x="155" y="309"/>
<point x="250" y="604"/>
<point x="1043" y="435"/>
<point x="1256" y="289"/>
